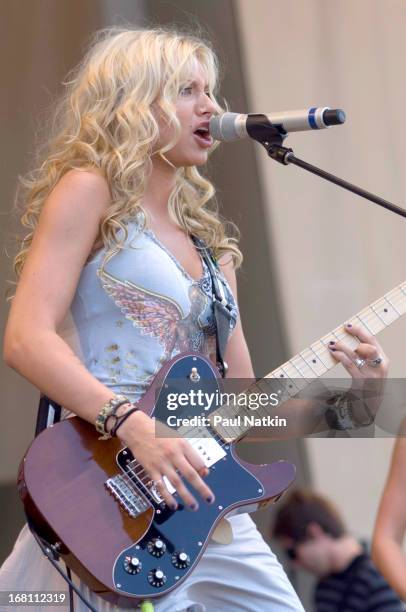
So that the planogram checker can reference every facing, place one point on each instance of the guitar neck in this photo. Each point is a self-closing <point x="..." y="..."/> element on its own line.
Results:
<point x="315" y="360"/>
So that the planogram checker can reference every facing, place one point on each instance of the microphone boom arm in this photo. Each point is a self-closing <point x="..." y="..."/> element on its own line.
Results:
<point x="273" y="145"/>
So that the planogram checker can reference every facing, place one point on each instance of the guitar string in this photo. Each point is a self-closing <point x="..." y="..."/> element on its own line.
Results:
<point x="136" y="463"/>
<point x="367" y="317"/>
<point x="143" y="473"/>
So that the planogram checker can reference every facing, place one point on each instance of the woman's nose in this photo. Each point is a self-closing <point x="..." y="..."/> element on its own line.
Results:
<point x="207" y="105"/>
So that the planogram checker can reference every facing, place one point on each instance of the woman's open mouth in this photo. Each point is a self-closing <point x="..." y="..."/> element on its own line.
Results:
<point x="203" y="137"/>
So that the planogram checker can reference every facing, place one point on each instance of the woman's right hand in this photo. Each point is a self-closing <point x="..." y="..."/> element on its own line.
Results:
<point x="172" y="457"/>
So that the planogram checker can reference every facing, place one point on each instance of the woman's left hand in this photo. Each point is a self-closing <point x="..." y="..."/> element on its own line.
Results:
<point x="367" y="360"/>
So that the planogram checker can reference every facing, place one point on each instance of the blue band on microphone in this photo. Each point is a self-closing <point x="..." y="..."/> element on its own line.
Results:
<point x="312" y="119"/>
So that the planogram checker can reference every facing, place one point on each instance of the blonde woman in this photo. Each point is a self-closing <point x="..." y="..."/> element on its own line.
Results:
<point x="113" y="205"/>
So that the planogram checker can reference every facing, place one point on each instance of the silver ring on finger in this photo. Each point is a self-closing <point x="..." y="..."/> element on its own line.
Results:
<point x="359" y="362"/>
<point x="374" y="363"/>
<point x="158" y="482"/>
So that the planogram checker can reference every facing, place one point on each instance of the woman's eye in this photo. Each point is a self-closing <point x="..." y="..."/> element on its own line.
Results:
<point x="185" y="91"/>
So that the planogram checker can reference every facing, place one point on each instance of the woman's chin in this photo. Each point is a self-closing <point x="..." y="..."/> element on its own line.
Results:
<point x="189" y="156"/>
<point x="198" y="160"/>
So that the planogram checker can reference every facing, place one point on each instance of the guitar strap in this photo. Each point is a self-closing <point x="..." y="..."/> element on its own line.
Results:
<point x="49" y="412"/>
<point x="221" y="306"/>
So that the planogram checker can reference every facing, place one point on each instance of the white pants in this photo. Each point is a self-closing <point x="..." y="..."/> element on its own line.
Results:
<point x="244" y="575"/>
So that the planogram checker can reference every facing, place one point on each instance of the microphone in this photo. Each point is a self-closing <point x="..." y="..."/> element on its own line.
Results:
<point x="232" y="126"/>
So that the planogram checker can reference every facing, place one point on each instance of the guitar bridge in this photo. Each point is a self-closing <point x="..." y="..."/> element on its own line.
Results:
<point x="132" y="501"/>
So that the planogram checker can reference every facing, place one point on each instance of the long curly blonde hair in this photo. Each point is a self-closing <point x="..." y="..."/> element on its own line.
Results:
<point x="105" y="121"/>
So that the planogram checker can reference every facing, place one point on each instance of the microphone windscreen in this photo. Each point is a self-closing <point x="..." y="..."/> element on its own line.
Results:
<point x="222" y="127"/>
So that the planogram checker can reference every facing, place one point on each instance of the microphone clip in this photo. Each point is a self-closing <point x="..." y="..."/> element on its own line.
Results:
<point x="269" y="136"/>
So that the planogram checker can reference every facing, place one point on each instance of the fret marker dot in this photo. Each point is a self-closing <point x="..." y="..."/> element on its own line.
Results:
<point x="385" y="310"/>
<point x="313" y="360"/>
<point x="280" y="375"/>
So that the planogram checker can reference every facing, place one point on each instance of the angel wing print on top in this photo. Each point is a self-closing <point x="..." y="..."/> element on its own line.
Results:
<point x="161" y="317"/>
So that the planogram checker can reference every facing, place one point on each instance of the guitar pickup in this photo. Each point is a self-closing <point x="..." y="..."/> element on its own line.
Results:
<point x="208" y="449"/>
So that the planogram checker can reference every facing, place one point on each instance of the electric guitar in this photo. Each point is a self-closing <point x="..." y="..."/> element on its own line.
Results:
<point x="93" y="501"/>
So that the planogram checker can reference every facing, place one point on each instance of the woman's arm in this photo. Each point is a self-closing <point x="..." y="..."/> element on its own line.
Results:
<point x="390" y="524"/>
<point x="66" y="231"/>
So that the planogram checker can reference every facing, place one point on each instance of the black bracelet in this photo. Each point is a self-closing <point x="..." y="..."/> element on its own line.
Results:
<point x="114" y="416"/>
<point x="121" y="420"/>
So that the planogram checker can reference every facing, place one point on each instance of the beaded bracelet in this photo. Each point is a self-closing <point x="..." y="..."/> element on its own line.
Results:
<point x="108" y="410"/>
<point x="121" y="419"/>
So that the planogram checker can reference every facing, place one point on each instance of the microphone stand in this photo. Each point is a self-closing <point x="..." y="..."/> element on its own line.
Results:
<point x="272" y="140"/>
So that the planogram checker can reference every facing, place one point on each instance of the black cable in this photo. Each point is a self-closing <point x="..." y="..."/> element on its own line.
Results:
<point x="69" y="574"/>
<point x="47" y="550"/>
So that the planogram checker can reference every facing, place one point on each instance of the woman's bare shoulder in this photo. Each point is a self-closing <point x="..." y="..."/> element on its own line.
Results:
<point x="82" y="196"/>
<point x="86" y="180"/>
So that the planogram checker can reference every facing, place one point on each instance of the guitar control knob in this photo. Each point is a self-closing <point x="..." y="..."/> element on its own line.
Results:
<point x="132" y="565"/>
<point x="156" y="547"/>
<point x="180" y="559"/>
<point x="156" y="577"/>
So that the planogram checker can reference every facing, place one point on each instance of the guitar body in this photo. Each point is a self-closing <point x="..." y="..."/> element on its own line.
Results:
<point x="112" y="528"/>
